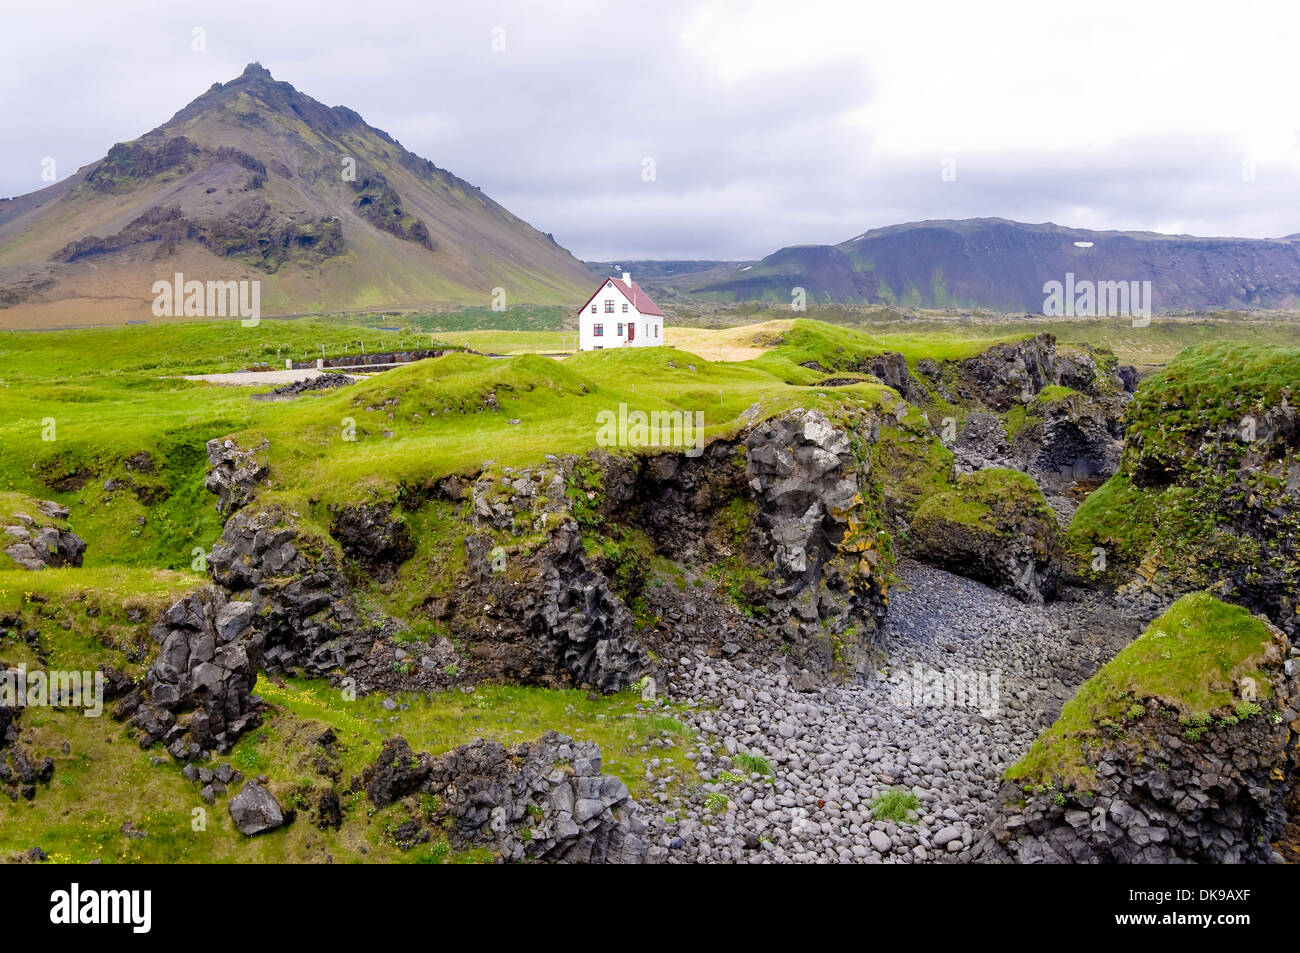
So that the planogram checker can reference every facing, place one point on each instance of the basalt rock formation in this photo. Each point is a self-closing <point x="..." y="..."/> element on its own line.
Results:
<point x="301" y="599"/>
<point x="234" y="473"/>
<point x="1208" y="489"/>
<point x="553" y="617"/>
<point x="255" y="810"/>
<point x="783" y="514"/>
<point x="996" y="527"/>
<point x="41" y="541"/>
<point x="1169" y="789"/>
<point x="545" y="801"/>
<point x="197" y="694"/>
<point x="369" y="534"/>
<point x="823" y="535"/>
<point x="1062" y="411"/>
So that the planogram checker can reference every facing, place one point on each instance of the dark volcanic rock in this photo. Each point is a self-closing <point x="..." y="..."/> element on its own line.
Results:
<point x="255" y="810"/>
<point x="553" y="619"/>
<point x="552" y="789"/>
<point x="1069" y="438"/>
<point x="369" y="534"/>
<point x="8" y="725"/>
<point x="891" y="368"/>
<point x="35" y="543"/>
<point x="982" y="442"/>
<point x="545" y="801"/>
<point x="1161" y="798"/>
<point x="319" y="382"/>
<point x="1010" y="373"/>
<point x="196" y="695"/>
<point x="805" y="557"/>
<point x="302" y="602"/>
<point x="329" y="813"/>
<point x="1062" y="412"/>
<point x="396" y="773"/>
<point x="809" y="488"/>
<point x="996" y="527"/>
<point x="1242" y="471"/>
<point x="234" y="473"/>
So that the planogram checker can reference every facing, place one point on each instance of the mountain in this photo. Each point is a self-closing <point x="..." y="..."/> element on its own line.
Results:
<point x="255" y="180"/>
<point x="1003" y="265"/>
<point x="660" y="269"/>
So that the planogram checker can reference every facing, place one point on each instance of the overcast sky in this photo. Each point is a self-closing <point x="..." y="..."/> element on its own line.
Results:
<point x="768" y="124"/>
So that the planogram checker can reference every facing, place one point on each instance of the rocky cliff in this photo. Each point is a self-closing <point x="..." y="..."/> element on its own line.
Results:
<point x="1180" y="750"/>
<point x="1208" y="490"/>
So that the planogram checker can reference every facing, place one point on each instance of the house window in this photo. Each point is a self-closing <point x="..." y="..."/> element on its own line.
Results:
<point x="656" y="330"/>
<point x="620" y="329"/>
<point x="609" y="307"/>
<point x="625" y="307"/>
<point x="593" y="309"/>
<point x="598" y="330"/>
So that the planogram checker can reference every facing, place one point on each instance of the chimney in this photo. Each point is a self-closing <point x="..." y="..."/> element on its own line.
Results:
<point x="627" y="277"/>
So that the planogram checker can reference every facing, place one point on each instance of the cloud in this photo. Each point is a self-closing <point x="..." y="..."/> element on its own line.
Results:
<point x="768" y="123"/>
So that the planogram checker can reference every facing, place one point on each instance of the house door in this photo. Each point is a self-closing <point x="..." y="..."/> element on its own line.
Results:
<point x="631" y="333"/>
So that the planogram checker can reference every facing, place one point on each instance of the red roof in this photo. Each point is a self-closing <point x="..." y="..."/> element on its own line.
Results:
<point x="632" y="291"/>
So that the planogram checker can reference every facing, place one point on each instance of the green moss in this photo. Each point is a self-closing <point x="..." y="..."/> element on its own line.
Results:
<point x="1055" y="392"/>
<point x="978" y="497"/>
<point x="1191" y="660"/>
<point x="438" y="530"/>
<point x="1173" y="510"/>
<point x="745" y="585"/>
<point x="838" y="348"/>
<point x="737" y="518"/>
<point x="1014" y="421"/>
<point x="910" y="463"/>
<point x="625" y="558"/>
<point x="1118" y="519"/>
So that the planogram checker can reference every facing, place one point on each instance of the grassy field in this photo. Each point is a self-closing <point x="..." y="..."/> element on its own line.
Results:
<point x="1146" y="347"/>
<point x="930" y="335"/>
<point x="75" y="406"/>
<point x="524" y="317"/>
<point x="116" y="786"/>
<point x="512" y="342"/>
<point x="100" y="421"/>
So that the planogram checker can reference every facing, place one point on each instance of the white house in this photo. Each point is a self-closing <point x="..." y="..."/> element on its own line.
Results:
<point x="620" y="314"/>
